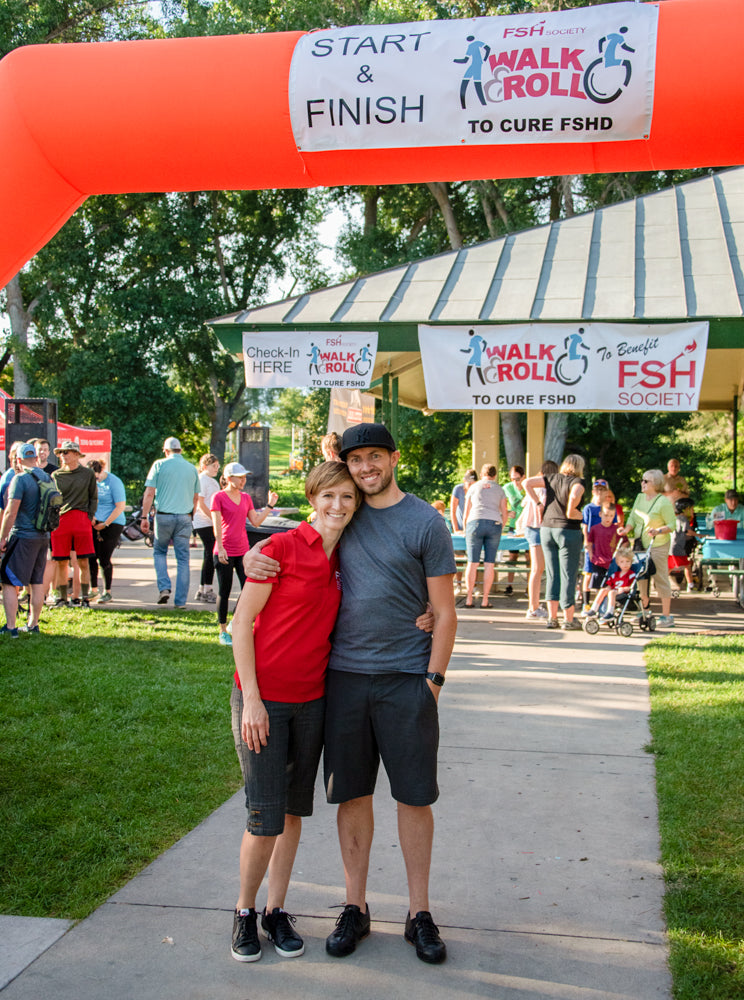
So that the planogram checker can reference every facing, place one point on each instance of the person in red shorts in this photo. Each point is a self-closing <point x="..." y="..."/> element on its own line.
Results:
<point x="77" y="484"/>
<point x="278" y="703"/>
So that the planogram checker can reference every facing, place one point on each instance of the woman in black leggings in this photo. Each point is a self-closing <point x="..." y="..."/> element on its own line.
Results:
<point x="108" y="524"/>
<point x="209" y="466"/>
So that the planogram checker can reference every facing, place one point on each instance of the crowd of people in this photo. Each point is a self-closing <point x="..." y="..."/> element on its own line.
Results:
<point x="344" y="626"/>
<point x="547" y="509"/>
<point x="36" y="553"/>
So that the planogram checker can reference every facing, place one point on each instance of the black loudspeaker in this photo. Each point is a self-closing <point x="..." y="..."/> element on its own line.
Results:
<point x="253" y="454"/>
<point x="30" y="418"/>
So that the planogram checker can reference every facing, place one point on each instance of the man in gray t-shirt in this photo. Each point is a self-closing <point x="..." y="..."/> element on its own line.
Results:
<point x="384" y="679"/>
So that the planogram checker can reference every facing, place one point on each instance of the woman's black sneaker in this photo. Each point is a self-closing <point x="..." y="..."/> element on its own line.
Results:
<point x="245" y="943"/>
<point x="423" y="934"/>
<point x="352" y="925"/>
<point x="277" y="926"/>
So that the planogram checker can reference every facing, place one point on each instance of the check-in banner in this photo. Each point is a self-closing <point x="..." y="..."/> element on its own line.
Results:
<point x="553" y="366"/>
<point x="318" y="360"/>
<point x="570" y="76"/>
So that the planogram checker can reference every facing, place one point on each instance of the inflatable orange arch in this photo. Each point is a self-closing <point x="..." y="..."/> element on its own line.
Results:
<point x="213" y="114"/>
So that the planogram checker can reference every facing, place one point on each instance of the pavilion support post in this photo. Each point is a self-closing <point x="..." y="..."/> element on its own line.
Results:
<point x="735" y="436"/>
<point x="485" y="438"/>
<point x="393" y="425"/>
<point x="535" y="452"/>
<point x="386" y="400"/>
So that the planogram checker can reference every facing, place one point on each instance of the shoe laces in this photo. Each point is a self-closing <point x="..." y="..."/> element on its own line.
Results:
<point x="347" y="919"/>
<point x="427" y="930"/>
<point x="283" y="923"/>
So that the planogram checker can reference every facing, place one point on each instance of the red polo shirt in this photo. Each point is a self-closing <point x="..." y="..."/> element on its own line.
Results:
<point x="292" y="633"/>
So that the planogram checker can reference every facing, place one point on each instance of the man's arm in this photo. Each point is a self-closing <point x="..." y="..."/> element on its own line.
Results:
<point x="454" y="504"/>
<point x="9" y="517"/>
<point x="442" y="600"/>
<point x="92" y="496"/>
<point x="147" y="503"/>
<point x="258" y="566"/>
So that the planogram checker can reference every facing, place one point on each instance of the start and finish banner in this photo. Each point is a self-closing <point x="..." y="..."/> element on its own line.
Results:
<point x="319" y="360"/>
<point x="571" y="76"/>
<point x="545" y="366"/>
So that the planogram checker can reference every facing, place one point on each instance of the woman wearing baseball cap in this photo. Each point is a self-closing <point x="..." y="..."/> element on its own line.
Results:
<point x="231" y="507"/>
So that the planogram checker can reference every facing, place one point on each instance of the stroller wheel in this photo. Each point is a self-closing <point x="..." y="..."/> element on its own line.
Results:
<point x="591" y="626"/>
<point x="625" y="629"/>
<point x="716" y="592"/>
<point x="651" y="623"/>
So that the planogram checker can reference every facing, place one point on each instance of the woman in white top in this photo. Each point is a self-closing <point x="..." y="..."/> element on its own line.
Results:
<point x="484" y="518"/>
<point x="209" y="466"/>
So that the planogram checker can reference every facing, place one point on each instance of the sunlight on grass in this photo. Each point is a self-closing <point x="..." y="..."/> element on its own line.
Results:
<point x="114" y="742"/>
<point x="697" y="725"/>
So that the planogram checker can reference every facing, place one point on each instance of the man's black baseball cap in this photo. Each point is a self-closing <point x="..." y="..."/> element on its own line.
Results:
<point x="366" y="436"/>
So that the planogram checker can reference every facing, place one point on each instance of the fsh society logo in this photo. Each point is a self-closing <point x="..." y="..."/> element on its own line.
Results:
<point x="595" y="366"/>
<point x="496" y="75"/>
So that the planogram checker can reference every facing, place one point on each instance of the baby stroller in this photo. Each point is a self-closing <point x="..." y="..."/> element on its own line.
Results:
<point x="627" y="603"/>
<point x="132" y="529"/>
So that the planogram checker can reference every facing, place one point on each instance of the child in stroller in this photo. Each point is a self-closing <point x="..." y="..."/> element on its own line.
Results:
<point x="620" y="591"/>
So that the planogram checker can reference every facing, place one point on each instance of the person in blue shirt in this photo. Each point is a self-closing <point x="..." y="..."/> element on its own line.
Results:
<point x="14" y="467"/>
<point x="108" y="524"/>
<point x="23" y="546"/>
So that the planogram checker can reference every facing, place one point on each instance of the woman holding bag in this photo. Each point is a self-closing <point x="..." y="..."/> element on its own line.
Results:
<point x="652" y="520"/>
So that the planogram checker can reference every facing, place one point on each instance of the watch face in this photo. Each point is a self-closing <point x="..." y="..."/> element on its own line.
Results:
<point x="437" y="679"/>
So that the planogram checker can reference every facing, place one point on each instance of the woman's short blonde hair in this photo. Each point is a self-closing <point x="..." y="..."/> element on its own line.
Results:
<point x="572" y="465"/>
<point x="329" y="474"/>
<point x="656" y="478"/>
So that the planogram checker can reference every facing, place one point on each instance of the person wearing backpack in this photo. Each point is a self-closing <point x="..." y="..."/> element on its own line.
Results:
<point x="23" y="545"/>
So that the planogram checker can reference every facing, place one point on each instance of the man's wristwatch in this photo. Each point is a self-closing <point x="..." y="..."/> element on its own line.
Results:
<point x="437" y="679"/>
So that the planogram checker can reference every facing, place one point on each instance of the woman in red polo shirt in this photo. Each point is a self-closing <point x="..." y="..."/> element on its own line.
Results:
<point x="278" y="702"/>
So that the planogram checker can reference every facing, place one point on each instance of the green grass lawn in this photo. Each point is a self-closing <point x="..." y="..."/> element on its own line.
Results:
<point x="697" y="725"/>
<point x="114" y="742"/>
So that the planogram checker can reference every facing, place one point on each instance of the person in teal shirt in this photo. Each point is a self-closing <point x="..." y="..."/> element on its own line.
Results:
<point x="108" y="524"/>
<point x="729" y="510"/>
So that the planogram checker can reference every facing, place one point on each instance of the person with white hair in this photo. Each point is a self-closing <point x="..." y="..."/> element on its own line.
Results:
<point x="172" y="485"/>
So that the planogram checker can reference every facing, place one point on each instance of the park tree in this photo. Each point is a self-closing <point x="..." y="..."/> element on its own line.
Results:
<point x="149" y="271"/>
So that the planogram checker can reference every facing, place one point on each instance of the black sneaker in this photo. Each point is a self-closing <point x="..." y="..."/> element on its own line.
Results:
<point x="352" y="925"/>
<point x="423" y="934"/>
<point x="277" y="926"/>
<point x="245" y="944"/>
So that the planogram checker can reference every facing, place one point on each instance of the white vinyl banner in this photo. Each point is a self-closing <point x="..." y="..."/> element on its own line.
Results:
<point x="319" y="360"/>
<point x="577" y="75"/>
<point x="553" y="366"/>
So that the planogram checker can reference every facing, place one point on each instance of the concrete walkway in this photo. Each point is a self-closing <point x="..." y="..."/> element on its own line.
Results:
<point x="545" y="881"/>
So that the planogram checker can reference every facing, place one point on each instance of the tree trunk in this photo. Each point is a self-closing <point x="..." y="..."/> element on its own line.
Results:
<point x="220" y="419"/>
<point x="555" y="436"/>
<point x="440" y="194"/>
<point x="20" y="320"/>
<point x="513" y="440"/>
<point x="567" y="195"/>
<point x="371" y="198"/>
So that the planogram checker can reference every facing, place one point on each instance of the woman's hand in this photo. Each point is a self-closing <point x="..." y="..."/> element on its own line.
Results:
<point x="222" y="554"/>
<point x="254" y="727"/>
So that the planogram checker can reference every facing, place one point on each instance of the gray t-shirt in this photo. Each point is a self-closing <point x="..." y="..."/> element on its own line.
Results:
<point x="386" y="556"/>
<point x="485" y="498"/>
